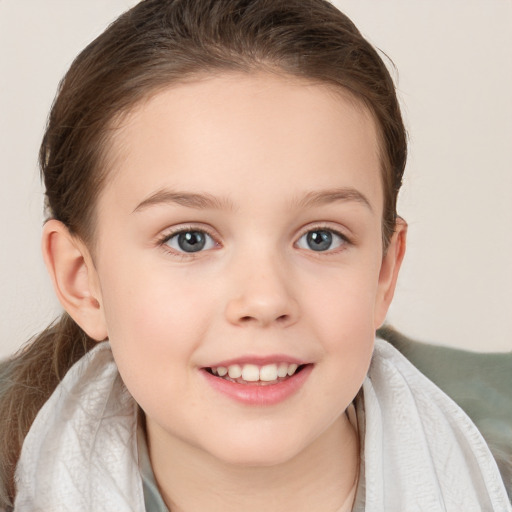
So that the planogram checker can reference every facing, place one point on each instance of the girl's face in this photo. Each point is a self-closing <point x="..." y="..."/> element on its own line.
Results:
<point x="241" y="227"/>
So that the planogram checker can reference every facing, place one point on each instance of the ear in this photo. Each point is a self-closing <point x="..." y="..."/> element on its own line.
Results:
<point x="391" y="263"/>
<point x="74" y="278"/>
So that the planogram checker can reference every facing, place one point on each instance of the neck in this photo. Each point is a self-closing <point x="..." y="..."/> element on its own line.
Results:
<point x="319" y="478"/>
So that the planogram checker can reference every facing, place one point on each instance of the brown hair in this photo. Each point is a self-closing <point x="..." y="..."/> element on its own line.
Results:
<point x="153" y="45"/>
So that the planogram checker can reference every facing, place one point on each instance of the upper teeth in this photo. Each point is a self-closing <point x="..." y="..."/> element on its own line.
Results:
<point x="254" y="373"/>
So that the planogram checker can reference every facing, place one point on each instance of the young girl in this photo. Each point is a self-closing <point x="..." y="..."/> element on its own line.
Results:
<point x="221" y="182"/>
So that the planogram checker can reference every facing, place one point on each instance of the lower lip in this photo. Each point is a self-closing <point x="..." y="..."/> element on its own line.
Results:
<point x="257" y="394"/>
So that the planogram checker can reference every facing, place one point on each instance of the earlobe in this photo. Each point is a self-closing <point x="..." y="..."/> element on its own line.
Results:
<point x="389" y="271"/>
<point x="74" y="278"/>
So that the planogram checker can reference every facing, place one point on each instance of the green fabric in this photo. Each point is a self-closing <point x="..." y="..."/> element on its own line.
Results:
<point x="480" y="383"/>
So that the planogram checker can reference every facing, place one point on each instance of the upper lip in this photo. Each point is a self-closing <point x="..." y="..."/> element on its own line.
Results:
<point x="259" y="360"/>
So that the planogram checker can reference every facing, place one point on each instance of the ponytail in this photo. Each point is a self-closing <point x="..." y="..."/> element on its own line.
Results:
<point x="26" y="381"/>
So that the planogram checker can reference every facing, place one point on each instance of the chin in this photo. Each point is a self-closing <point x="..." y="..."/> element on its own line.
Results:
<point x="257" y="452"/>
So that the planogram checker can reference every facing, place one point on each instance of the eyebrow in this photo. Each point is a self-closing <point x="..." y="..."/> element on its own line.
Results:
<point x="208" y="201"/>
<point x="345" y="194"/>
<point x="188" y="199"/>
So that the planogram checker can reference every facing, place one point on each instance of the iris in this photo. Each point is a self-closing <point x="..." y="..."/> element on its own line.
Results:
<point x="319" y="240"/>
<point x="191" y="241"/>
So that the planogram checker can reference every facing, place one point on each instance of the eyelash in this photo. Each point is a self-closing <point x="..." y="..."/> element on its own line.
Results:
<point x="166" y="237"/>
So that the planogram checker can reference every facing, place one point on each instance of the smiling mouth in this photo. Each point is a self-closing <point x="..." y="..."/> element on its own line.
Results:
<point x="256" y="375"/>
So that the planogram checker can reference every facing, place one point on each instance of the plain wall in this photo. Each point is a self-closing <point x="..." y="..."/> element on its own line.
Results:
<point x="454" y="78"/>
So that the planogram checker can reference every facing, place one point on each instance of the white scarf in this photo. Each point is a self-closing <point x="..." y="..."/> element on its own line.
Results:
<point x="420" y="451"/>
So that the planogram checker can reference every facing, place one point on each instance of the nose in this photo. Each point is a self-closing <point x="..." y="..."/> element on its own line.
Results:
<point x="262" y="298"/>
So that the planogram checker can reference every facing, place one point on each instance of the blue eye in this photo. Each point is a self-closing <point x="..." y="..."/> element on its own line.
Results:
<point x="321" y="240"/>
<point x="190" y="241"/>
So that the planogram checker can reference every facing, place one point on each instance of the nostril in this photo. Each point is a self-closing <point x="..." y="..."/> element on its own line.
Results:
<point x="248" y="318"/>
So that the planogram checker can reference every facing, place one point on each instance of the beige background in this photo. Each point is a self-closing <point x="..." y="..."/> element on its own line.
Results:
<point x="455" y="81"/>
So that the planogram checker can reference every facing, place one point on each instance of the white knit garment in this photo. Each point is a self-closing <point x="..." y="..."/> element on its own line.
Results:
<point x="81" y="452"/>
<point x="421" y="452"/>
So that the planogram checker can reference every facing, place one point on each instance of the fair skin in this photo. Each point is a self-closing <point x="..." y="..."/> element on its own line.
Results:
<point x="292" y="268"/>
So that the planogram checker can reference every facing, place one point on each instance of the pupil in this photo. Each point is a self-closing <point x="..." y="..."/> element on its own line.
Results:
<point x="191" y="241"/>
<point x="319" y="240"/>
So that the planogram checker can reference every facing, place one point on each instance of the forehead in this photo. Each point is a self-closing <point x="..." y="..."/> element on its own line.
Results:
<point x="229" y="132"/>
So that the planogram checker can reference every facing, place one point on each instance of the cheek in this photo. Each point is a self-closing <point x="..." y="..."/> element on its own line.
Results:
<point x="343" y="302"/>
<point x="154" y="322"/>
<point x="342" y="315"/>
<point x="153" y="335"/>
<point x="149" y="299"/>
